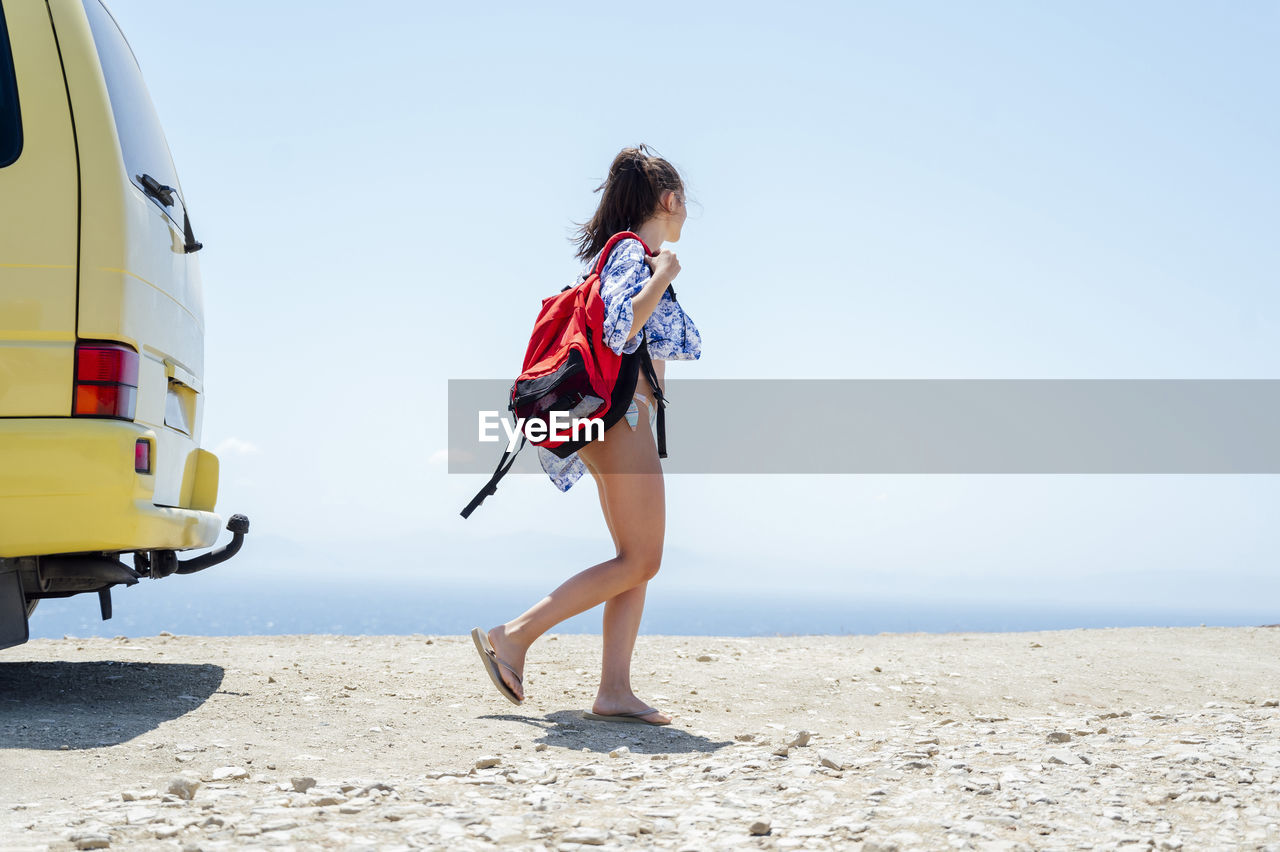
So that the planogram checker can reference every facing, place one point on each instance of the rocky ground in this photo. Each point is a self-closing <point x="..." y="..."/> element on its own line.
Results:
<point x="1143" y="738"/>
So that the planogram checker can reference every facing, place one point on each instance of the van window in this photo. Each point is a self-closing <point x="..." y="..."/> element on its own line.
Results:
<point x="141" y="138"/>
<point x="10" y="119"/>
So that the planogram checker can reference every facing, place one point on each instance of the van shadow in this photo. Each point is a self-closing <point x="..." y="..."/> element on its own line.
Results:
<point x="567" y="729"/>
<point x="52" y="705"/>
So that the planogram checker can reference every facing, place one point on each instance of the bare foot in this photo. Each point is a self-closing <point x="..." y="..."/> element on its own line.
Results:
<point x="607" y="705"/>
<point x="511" y="654"/>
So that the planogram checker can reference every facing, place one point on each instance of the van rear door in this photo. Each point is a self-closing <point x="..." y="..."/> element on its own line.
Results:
<point x="39" y="212"/>
<point x="139" y="284"/>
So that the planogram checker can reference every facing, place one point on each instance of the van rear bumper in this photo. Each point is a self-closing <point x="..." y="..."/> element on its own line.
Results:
<point x="68" y="485"/>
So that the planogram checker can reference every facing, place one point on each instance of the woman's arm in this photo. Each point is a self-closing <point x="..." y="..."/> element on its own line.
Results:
<point x="664" y="268"/>
<point x="631" y="292"/>
<point x="646" y="301"/>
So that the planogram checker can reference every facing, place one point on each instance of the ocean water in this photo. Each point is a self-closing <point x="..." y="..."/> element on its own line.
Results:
<point x="215" y="607"/>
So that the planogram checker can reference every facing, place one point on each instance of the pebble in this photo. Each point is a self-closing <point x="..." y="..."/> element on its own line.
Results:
<point x="760" y="827"/>
<point x="302" y="783"/>
<point x="228" y="773"/>
<point x="800" y="740"/>
<point x="182" y="787"/>
<point x="487" y="762"/>
<point x="327" y="801"/>
<point x="586" y="836"/>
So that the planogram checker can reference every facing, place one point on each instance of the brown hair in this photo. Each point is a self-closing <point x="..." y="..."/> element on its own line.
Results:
<point x="632" y="191"/>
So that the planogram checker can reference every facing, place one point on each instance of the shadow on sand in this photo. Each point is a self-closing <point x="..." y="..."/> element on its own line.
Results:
<point x="49" y="705"/>
<point x="567" y="729"/>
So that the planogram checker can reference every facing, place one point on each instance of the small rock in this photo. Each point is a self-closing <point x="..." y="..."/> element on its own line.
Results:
<point x="183" y="788"/>
<point x="328" y="801"/>
<point x="1063" y="756"/>
<point x="620" y="751"/>
<point x="760" y="828"/>
<point x="487" y="762"/>
<point x="801" y="739"/>
<point x="879" y="846"/>
<point x="302" y="784"/>
<point x="228" y="773"/>
<point x="139" y="816"/>
<point x="706" y="658"/>
<point x="586" y="836"/>
<point x="830" y="760"/>
<point x="782" y="751"/>
<point x="1059" y="737"/>
<point x="91" y="841"/>
<point x="540" y="747"/>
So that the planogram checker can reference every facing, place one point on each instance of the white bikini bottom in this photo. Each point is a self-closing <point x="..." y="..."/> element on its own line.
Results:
<point x="633" y="412"/>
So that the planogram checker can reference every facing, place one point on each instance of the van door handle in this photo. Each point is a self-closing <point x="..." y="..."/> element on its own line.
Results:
<point x="181" y="376"/>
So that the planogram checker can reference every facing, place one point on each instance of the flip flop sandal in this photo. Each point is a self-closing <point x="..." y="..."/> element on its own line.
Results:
<point x="491" y="663"/>
<point x="625" y="717"/>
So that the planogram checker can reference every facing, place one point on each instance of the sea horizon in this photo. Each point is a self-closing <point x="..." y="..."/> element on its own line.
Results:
<point x="436" y="609"/>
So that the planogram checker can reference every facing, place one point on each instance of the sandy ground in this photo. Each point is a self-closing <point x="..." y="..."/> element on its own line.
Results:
<point x="1133" y="738"/>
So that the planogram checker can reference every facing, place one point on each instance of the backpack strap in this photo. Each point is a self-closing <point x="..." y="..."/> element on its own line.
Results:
<point x="646" y="364"/>
<point x="491" y="487"/>
<point x="613" y="241"/>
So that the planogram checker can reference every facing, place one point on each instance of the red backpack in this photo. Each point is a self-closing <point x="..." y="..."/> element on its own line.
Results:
<point x="571" y="371"/>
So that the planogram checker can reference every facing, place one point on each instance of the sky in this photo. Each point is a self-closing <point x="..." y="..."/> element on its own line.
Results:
<point x="879" y="191"/>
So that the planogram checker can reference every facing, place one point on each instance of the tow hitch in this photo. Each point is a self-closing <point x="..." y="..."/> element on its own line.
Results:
<point x="162" y="563"/>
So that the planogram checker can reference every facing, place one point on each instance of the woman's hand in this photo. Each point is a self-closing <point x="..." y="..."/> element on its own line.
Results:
<point x="664" y="265"/>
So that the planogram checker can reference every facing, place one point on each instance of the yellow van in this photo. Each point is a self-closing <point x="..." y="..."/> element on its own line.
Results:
<point x="101" y="324"/>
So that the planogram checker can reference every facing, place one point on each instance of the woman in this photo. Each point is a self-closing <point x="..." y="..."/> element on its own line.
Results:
<point x="643" y="194"/>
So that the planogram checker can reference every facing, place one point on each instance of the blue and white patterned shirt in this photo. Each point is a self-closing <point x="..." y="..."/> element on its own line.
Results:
<point x="669" y="332"/>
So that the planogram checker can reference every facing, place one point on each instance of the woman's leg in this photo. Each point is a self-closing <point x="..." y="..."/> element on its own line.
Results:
<point x="627" y="461"/>
<point x="622" y="615"/>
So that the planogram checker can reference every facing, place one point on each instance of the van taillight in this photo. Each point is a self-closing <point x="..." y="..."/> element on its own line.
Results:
<point x="106" y="381"/>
